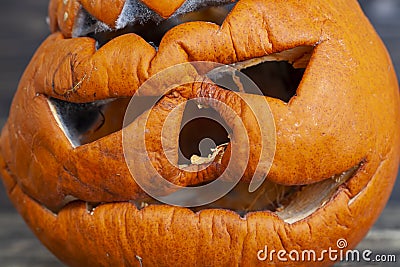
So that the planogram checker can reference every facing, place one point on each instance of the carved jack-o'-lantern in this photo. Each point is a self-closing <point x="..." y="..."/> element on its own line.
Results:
<point x="323" y="72"/>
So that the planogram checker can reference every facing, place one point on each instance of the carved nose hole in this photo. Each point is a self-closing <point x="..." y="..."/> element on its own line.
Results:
<point x="202" y="130"/>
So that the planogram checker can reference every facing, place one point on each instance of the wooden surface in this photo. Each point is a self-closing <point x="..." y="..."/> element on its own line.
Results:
<point x="24" y="28"/>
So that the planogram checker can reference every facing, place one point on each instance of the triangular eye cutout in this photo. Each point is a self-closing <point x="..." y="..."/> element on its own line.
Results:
<point x="277" y="79"/>
<point x="83" y="123"/>
<point x="277" y="75"/>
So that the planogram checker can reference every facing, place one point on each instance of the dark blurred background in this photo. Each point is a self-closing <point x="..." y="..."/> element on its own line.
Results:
<point x="24" y="28"/>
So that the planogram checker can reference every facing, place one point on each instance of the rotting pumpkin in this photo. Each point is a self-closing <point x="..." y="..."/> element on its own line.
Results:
<point x="331" y="88"/>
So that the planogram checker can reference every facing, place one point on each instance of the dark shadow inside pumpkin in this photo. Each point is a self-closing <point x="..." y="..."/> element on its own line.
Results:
<point x="202" y="131"/>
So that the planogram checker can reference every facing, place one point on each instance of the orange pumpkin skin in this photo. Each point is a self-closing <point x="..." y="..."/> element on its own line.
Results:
<point x="347" y="103"/>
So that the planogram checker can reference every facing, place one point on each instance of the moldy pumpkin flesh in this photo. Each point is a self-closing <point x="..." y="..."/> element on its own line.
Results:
<point x="331" y="88"/>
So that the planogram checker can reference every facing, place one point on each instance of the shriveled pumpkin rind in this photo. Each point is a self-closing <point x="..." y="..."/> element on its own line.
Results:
<point x="319" y="132"/>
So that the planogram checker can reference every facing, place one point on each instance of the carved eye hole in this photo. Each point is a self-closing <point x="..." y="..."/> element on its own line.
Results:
<point x="83" y="123"/>
<point x="276" y="79"/>
<point x="151" y="30"/>
<point x="277" y="75"/>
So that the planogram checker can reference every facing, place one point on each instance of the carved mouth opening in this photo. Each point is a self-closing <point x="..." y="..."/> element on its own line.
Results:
<point x="151" y="29"/>
<point x="290" y="203"/>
